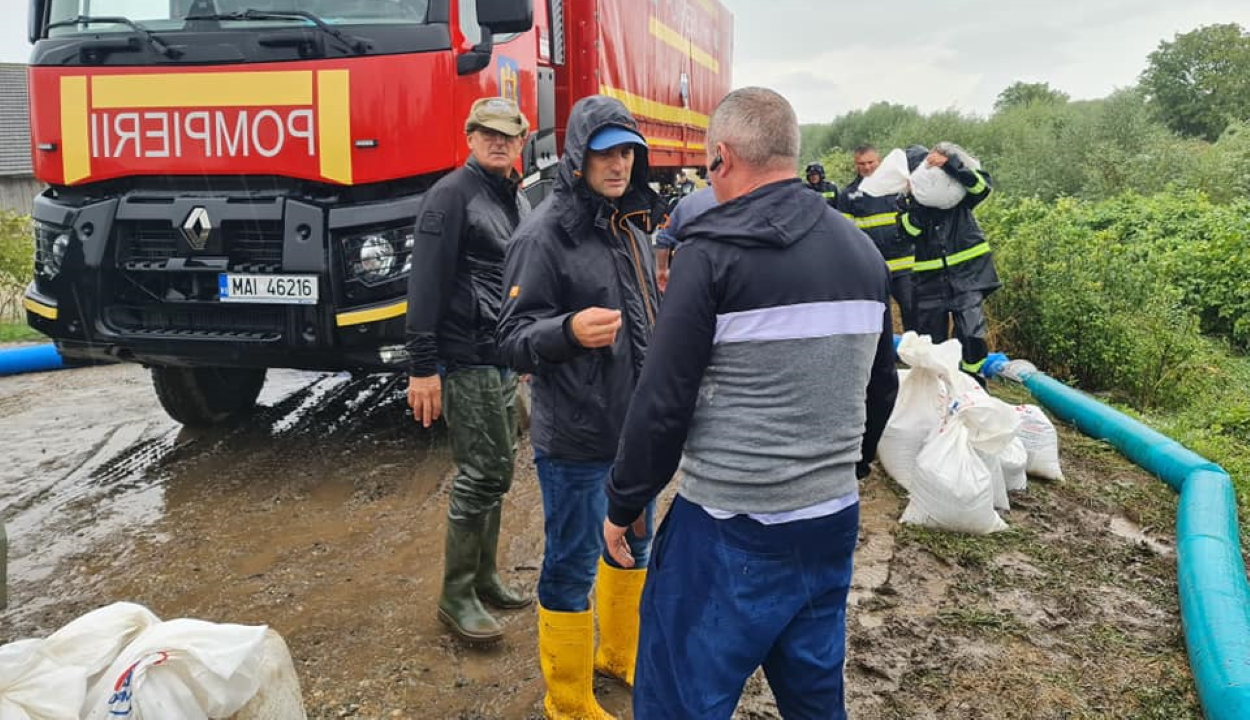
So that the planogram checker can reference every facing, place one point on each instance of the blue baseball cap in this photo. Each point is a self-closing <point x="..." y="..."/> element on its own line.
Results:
<point x="613" y="135"/>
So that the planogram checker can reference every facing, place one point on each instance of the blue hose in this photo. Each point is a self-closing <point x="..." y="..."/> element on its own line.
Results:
<point x="34" y="358"/>
<point x="1211" y="576"/>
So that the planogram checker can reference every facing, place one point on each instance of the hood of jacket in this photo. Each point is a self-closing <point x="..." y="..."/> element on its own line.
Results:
<point x="581" y="204"/>
<point x="775" y="215"/>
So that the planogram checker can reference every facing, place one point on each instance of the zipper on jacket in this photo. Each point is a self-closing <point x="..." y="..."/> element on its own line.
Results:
<point x="638" y="272"/>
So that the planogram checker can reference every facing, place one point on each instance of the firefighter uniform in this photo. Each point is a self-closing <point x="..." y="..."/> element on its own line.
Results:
<point x="827" y="190"/>
<point x="878" y="218"/>
<point x="954" y="267"/>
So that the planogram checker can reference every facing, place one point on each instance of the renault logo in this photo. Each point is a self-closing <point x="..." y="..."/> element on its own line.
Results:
<point x="197" y="229"/>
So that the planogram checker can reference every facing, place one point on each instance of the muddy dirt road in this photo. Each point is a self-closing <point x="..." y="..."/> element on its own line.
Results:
<point x="322" y="516"/>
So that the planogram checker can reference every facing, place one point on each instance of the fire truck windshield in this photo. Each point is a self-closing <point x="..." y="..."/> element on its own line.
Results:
<point x="165" y="16"/>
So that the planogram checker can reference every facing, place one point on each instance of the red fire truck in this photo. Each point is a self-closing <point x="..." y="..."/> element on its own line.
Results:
<point x="232" y="183"/>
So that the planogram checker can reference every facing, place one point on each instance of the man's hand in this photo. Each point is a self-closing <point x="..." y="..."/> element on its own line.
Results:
<point x="425" y="397"/>
<point x="596" y="327"/>
<point x="662" y="257"/>
<point x="618" y="546"/>
<point x="935" y="159"/>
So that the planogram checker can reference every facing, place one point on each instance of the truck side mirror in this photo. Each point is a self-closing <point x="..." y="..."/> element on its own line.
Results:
<point x="34" y="21"/>
<point x="505" y="16"/>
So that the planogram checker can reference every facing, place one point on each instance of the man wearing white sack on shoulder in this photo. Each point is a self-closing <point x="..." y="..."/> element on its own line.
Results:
<point x="954" y="270"/>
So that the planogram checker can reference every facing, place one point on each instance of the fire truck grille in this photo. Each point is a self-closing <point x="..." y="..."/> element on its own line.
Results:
<point x="209" y="322"/>
<point x="247" y="244"/>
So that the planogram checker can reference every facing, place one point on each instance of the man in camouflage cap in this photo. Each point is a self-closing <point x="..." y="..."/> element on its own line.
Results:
<point x="454" y="295"/>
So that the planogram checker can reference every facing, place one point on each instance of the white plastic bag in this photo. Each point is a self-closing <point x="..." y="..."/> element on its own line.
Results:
<point x="932" y="187"/>
<point x="1041" y="441"/>
<point x="954" y="490"/>
<point x="994" y="464"/>
<point x="279" y="697"/>
<point x="890" y="177"/>
<point x="34" y="687"/>
<point x="1014" y="460"/>
<point x="185" y="669"/>
<point x="922" y="402"/>
<point x="93" y="641"/>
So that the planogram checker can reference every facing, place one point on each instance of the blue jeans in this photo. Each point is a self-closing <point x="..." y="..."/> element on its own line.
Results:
<point x="574" y="508"/>
<point x="724" y="597"/>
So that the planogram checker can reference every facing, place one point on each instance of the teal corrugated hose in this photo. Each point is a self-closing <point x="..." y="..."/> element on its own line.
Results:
<point x="1211" y="575"/>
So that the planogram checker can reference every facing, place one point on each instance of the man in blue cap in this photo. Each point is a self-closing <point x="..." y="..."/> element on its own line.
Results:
<point x="580" y="301"/>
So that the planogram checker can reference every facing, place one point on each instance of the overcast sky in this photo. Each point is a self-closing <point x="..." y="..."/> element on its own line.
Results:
<point x="832" y="56"/>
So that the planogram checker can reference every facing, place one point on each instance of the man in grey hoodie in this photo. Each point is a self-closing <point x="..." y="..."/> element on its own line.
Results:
<point x="770" y="378"/>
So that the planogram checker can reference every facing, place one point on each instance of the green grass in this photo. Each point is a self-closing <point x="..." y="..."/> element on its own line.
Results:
<point x="19" y="332"/>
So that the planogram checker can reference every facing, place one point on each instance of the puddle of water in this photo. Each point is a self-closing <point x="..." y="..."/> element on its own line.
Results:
<point x="1129" y="530"/>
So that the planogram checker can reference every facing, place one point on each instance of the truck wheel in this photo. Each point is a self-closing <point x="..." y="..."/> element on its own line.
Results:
<point x="202" y="396"/>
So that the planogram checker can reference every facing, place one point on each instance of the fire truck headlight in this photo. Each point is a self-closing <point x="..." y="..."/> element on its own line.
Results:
<point x="380" y="256"/>
<point x="51" y="246"/>
<point x="377" y="258"/>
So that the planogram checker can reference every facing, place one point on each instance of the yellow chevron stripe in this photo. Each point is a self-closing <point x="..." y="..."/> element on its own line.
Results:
<point x="645" y="107"/>
<point x="386" y="312"/>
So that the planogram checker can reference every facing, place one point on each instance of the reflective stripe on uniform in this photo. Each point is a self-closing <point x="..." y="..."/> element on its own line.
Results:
<point x="980" y="186"/>
<point x="972" y="367"/>
<point x="829" y="194"/>
<point x="903" y="263"/>
<point x="878" y="220"/>
<point x="959" y="257"/>
<point x="907" y="226"/>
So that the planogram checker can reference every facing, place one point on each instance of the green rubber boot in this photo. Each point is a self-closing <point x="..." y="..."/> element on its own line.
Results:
<point x="459" y="607"/>
<point x="490" y="588"/>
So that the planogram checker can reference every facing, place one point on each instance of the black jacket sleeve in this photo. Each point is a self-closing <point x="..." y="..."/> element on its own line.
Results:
<point x="435" y="257"/>
<point x="978" y="182"/>
<point x="532" y="322"/>
<point x="664" y="401"/>
<point x="882" y="392"/>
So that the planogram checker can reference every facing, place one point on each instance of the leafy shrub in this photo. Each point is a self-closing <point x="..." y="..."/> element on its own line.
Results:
<point x="16" y="265"/>
<point x="1116" y="294"/>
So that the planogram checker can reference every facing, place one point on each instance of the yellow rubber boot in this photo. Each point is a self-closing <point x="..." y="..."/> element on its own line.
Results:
<point x="566" y="643"/>
<point x="617" y="593"/>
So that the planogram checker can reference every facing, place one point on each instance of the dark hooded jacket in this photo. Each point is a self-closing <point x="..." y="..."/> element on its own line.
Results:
<point x="575" y="251"/>
<point x="457" y="262"/>
<point x="771" y="374"/>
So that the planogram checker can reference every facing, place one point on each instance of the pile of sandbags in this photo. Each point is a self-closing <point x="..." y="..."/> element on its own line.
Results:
<point x="121" y="661"/>
<point x="956" y="449"/>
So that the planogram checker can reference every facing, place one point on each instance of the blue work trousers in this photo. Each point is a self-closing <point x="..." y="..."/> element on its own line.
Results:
<point x="724" y="597"/>
<point x="575" y="505"/>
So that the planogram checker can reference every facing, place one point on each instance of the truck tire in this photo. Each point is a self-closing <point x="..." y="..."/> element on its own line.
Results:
<point x="203" y="396"/>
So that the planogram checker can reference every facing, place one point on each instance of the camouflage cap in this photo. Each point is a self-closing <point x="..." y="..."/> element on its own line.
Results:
<point x="498" y="114"/>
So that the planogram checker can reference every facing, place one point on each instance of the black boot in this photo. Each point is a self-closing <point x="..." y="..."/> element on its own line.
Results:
<point x="490" y="588"/>
<point x="459" y="607"/>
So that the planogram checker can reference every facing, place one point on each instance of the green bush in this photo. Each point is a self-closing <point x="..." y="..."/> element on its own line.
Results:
<point x="1117" y="295"/>
<point x="16" y="264"/>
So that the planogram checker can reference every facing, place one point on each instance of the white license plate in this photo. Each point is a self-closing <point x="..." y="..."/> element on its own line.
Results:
<point x="283" y="289"/>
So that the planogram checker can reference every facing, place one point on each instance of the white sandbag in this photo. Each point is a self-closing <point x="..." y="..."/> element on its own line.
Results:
<point x="922" y="402"/>
<point x="279" y="697"/>
<point x="185" y="669"/>
<point x="954" y="489"/>
<point x="34" y="687"/>
<point x="932" y="187"/>
<point x="1014" y="460"/>
<point x="995" y="465"/>
<point x="1041" y="441"/>
<point x="890" y="177"/>
<point x="991" y="423"/>
<point x="93" y="641"/>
